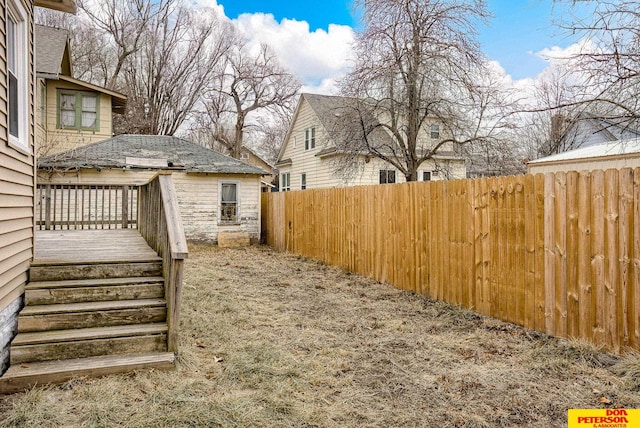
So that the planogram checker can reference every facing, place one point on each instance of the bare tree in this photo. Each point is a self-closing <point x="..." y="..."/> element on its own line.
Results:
<point x="167" y="77"/>
<point x="124" y="23"/>
<point x="609" y="61"/>
<point x="91" y="50"/>
<point x="271" y="132"/>
<point x="417" y="65"/>
<point x="250" y="82"/>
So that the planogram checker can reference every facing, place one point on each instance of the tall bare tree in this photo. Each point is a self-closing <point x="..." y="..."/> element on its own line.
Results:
<point x="181" y="53"/>
<point x="609" y="60"/>
<point x="124" y="23"/>
<point x="417" y="64"/>
<point x="251" y="82"/>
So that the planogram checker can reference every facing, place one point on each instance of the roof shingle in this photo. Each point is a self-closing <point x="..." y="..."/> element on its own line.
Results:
<point x="178" y="153"/>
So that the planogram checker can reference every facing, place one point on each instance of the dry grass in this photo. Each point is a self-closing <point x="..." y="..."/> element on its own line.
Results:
<point x="271" y="340"/>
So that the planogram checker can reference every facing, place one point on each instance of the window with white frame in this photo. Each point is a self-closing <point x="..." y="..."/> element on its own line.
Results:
<point x="303" y="181"/>
<point x="228" y="202"/>
<point x="310" y="138"/>
<point x="435" y="131"/>
<point x="285" y="182"/>
<point x="244" y="155"/>
<point x="387" y="176"/>
<point x="17" y="75"/>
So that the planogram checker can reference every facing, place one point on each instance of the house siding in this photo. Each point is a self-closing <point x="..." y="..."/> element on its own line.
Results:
<point x="16" y="200"/>
<point x="54" y="140"/>
<point x="586" y="164"/>
<point x="197" y="198"/>
<point x="319" y="170"/>
<point x="198" y="201"/>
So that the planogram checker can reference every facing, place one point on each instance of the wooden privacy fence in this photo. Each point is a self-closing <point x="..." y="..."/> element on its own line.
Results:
<point x="557" y="253"/>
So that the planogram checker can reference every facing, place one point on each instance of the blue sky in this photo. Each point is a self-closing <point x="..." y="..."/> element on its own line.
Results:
<point x="519" y="29"/>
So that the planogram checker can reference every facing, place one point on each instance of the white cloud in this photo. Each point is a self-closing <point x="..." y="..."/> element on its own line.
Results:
<point x="318" y="58"/>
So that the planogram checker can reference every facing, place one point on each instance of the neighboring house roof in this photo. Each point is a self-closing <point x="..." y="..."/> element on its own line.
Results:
<point x="587" y="130"/>
<point x="332" y="112"/>
<point x="618" y="148"/>
<point x="53" y="62"/>
<point x="52" y="51"/>
<point x="256" y="155"/>
<point x="148" y="152"/>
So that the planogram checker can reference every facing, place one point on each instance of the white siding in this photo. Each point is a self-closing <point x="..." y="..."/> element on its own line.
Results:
<point x="319" y="170"/>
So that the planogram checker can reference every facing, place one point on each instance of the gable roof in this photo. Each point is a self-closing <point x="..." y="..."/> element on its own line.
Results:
<point x="52" y="51"/>
<point x="332" y="111"/>
<point x="148" y="152"/>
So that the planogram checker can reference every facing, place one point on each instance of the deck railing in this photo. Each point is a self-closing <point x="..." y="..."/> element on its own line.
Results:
<point x="85" y="206"/>
<point x="159" y="223"/>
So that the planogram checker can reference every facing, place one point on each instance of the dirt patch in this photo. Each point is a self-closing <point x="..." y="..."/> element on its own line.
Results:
<point x="270" y="339"/>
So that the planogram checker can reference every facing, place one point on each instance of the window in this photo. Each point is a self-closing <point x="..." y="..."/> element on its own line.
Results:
<point x="435" y="131"/>
<point x="285" y="181"/>
<point x="42" y="105"/>
<point x="78" y="110"/>
<point x="387" y="176"/>
<point x="303" y="181"/>
<point x="228" y="203"/>
<point x="426" y="175"/>
<point x="244" y="155"/>
<point x="310" y="138"/>
<point x="17" y="76"/>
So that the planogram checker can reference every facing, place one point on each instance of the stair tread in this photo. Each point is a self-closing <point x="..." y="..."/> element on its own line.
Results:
<point x="42" y="337"/>
<point x="72" y="283"/>
<point x="22" y="376"/>
<point x="91" y="306"/>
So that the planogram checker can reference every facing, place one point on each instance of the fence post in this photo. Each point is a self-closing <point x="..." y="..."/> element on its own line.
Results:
<point x="47" y="207"/>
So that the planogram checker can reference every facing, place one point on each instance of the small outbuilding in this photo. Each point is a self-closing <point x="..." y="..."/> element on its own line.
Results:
<point x="610" y="155"/>
<point x="217" y="195"/>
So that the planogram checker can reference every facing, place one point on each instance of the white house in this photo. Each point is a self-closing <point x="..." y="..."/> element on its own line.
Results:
<point x="308" y="156"/>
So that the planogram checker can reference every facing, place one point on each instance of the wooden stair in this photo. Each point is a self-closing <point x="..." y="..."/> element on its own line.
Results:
<point x="89" y="319"/>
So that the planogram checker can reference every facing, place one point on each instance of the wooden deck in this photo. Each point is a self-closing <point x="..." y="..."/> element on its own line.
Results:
<point x="91" y="246"/>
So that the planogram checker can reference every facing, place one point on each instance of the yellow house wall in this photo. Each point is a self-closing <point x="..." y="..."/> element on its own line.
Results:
<point x="17" y="183"/>
<point x="57" y="140"/>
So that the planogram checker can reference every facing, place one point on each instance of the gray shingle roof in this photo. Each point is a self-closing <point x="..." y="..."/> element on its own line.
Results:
<point x="135" y="151"/>
<point x="341" y="116"/>
<point x="50" y="45"/>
